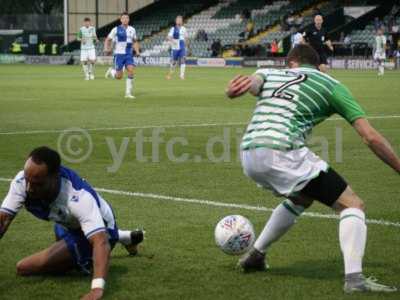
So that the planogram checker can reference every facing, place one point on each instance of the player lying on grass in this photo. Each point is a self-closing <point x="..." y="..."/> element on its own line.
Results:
<point x="125" y="40"/>
<point x="274" y="154"/>
<point x="85" y="226"/>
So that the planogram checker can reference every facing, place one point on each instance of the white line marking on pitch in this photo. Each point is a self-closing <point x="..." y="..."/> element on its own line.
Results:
<point x="164" y="126"/>
<point x="222" y="204"/>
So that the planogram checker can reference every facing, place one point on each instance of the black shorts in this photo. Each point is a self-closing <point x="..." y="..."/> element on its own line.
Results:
<point x="323" y="58"/>
<point x="326" y="188"/>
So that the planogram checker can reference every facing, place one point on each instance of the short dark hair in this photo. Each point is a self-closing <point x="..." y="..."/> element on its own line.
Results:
<point x="87" y="19"/>
<point x="124" y="13"/>
<point x="47" y="156"/>
<point x="304" y="54"/>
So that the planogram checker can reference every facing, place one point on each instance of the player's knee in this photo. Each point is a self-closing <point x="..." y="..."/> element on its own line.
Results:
<point x="359" y="204"/>
<point x="349" y="199"/>
<point x="118" y="76"/>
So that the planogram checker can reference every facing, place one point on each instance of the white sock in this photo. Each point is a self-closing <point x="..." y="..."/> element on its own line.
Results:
<point x="183" y="67"/>
<point x="129" y="86"/>
<point x="124" y="237"/>
<point x="113" y="72"/>
<point x="171" y="68"/>
<point x="283" y="217"/>
<point x="353" y="237"/>
<point x="381" y="68"/>
<point x="91" y="69"/>
<point x="85" y="70"/>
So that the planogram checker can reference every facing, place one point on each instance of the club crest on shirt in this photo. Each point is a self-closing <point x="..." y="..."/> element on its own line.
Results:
<point x="75" y="198"/>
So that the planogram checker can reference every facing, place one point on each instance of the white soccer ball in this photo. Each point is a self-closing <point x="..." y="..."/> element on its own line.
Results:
<point x="234" y="235"/>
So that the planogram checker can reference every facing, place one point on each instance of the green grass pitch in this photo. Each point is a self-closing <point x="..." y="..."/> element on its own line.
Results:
<point x="179" y="259"/>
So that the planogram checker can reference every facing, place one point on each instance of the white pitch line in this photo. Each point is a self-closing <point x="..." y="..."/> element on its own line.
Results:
<point x="123" y="128"/>
<point x="40" y="131"/>
<point x="224" y="205"/>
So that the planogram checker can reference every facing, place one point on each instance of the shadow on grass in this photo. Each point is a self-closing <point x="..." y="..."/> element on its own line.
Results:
<point x="311" y="269"/>
<point x="319" y="269"/>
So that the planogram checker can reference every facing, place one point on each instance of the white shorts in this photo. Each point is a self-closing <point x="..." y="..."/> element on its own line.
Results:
<point x="379" y="56"/>
<point x="88" y="55"/>
<point x="283" y="172"/>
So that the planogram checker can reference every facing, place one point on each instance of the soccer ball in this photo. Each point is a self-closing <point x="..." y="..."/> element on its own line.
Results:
<point x="234" y="235"/>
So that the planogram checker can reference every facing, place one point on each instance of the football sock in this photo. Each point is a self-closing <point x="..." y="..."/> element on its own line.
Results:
<point x="381" y="68"/>
<point x="85" y="69"/>
<point x="91" y="69"/>
<point x="129" y="84"/>
<point x="124" y="237"/>
<point x="113" y="72"/>
<point x="282" y="218"/>
<point x="353" y="237"/>
<point x="171" y="69"/>
<point x="183" y="68"/>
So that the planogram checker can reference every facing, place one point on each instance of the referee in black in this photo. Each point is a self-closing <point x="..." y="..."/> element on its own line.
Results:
<point x="317" y="38"/>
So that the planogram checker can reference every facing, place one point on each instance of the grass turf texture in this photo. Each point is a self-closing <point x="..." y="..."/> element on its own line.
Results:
<point x="179" y="259"/>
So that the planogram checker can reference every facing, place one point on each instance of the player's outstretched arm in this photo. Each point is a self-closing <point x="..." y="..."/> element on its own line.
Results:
<point x="377" y="143"/>
<point x="101" y="257"/>
<point x="5" y="221"/>
<point x="240" y="85"/>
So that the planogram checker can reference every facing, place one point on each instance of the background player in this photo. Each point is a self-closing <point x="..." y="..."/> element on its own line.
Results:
<point x="124" y="37"/>
<point x="87" y="36"/>
<point x="86" y="230"/>
<point x="177" y="36"/>
<point x="274" y="154"/>
<point x="380" y="51"/>
<point x="296" y="38"/>
<point x="317" y="38"/>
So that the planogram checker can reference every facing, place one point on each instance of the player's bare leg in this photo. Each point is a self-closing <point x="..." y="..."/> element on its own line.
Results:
<point x="353" y="237"/>
<point x="55" y="259"/>
<point x="129" y="82"/>
<point x="119" y="74"/>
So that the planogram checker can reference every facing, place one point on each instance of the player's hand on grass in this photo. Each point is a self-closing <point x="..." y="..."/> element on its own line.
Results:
<point x="94" y="294"/>
<point x="238" y="86"/>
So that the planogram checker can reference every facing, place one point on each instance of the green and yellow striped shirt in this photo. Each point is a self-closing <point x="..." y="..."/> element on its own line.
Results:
<point x="291" y="102"/>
